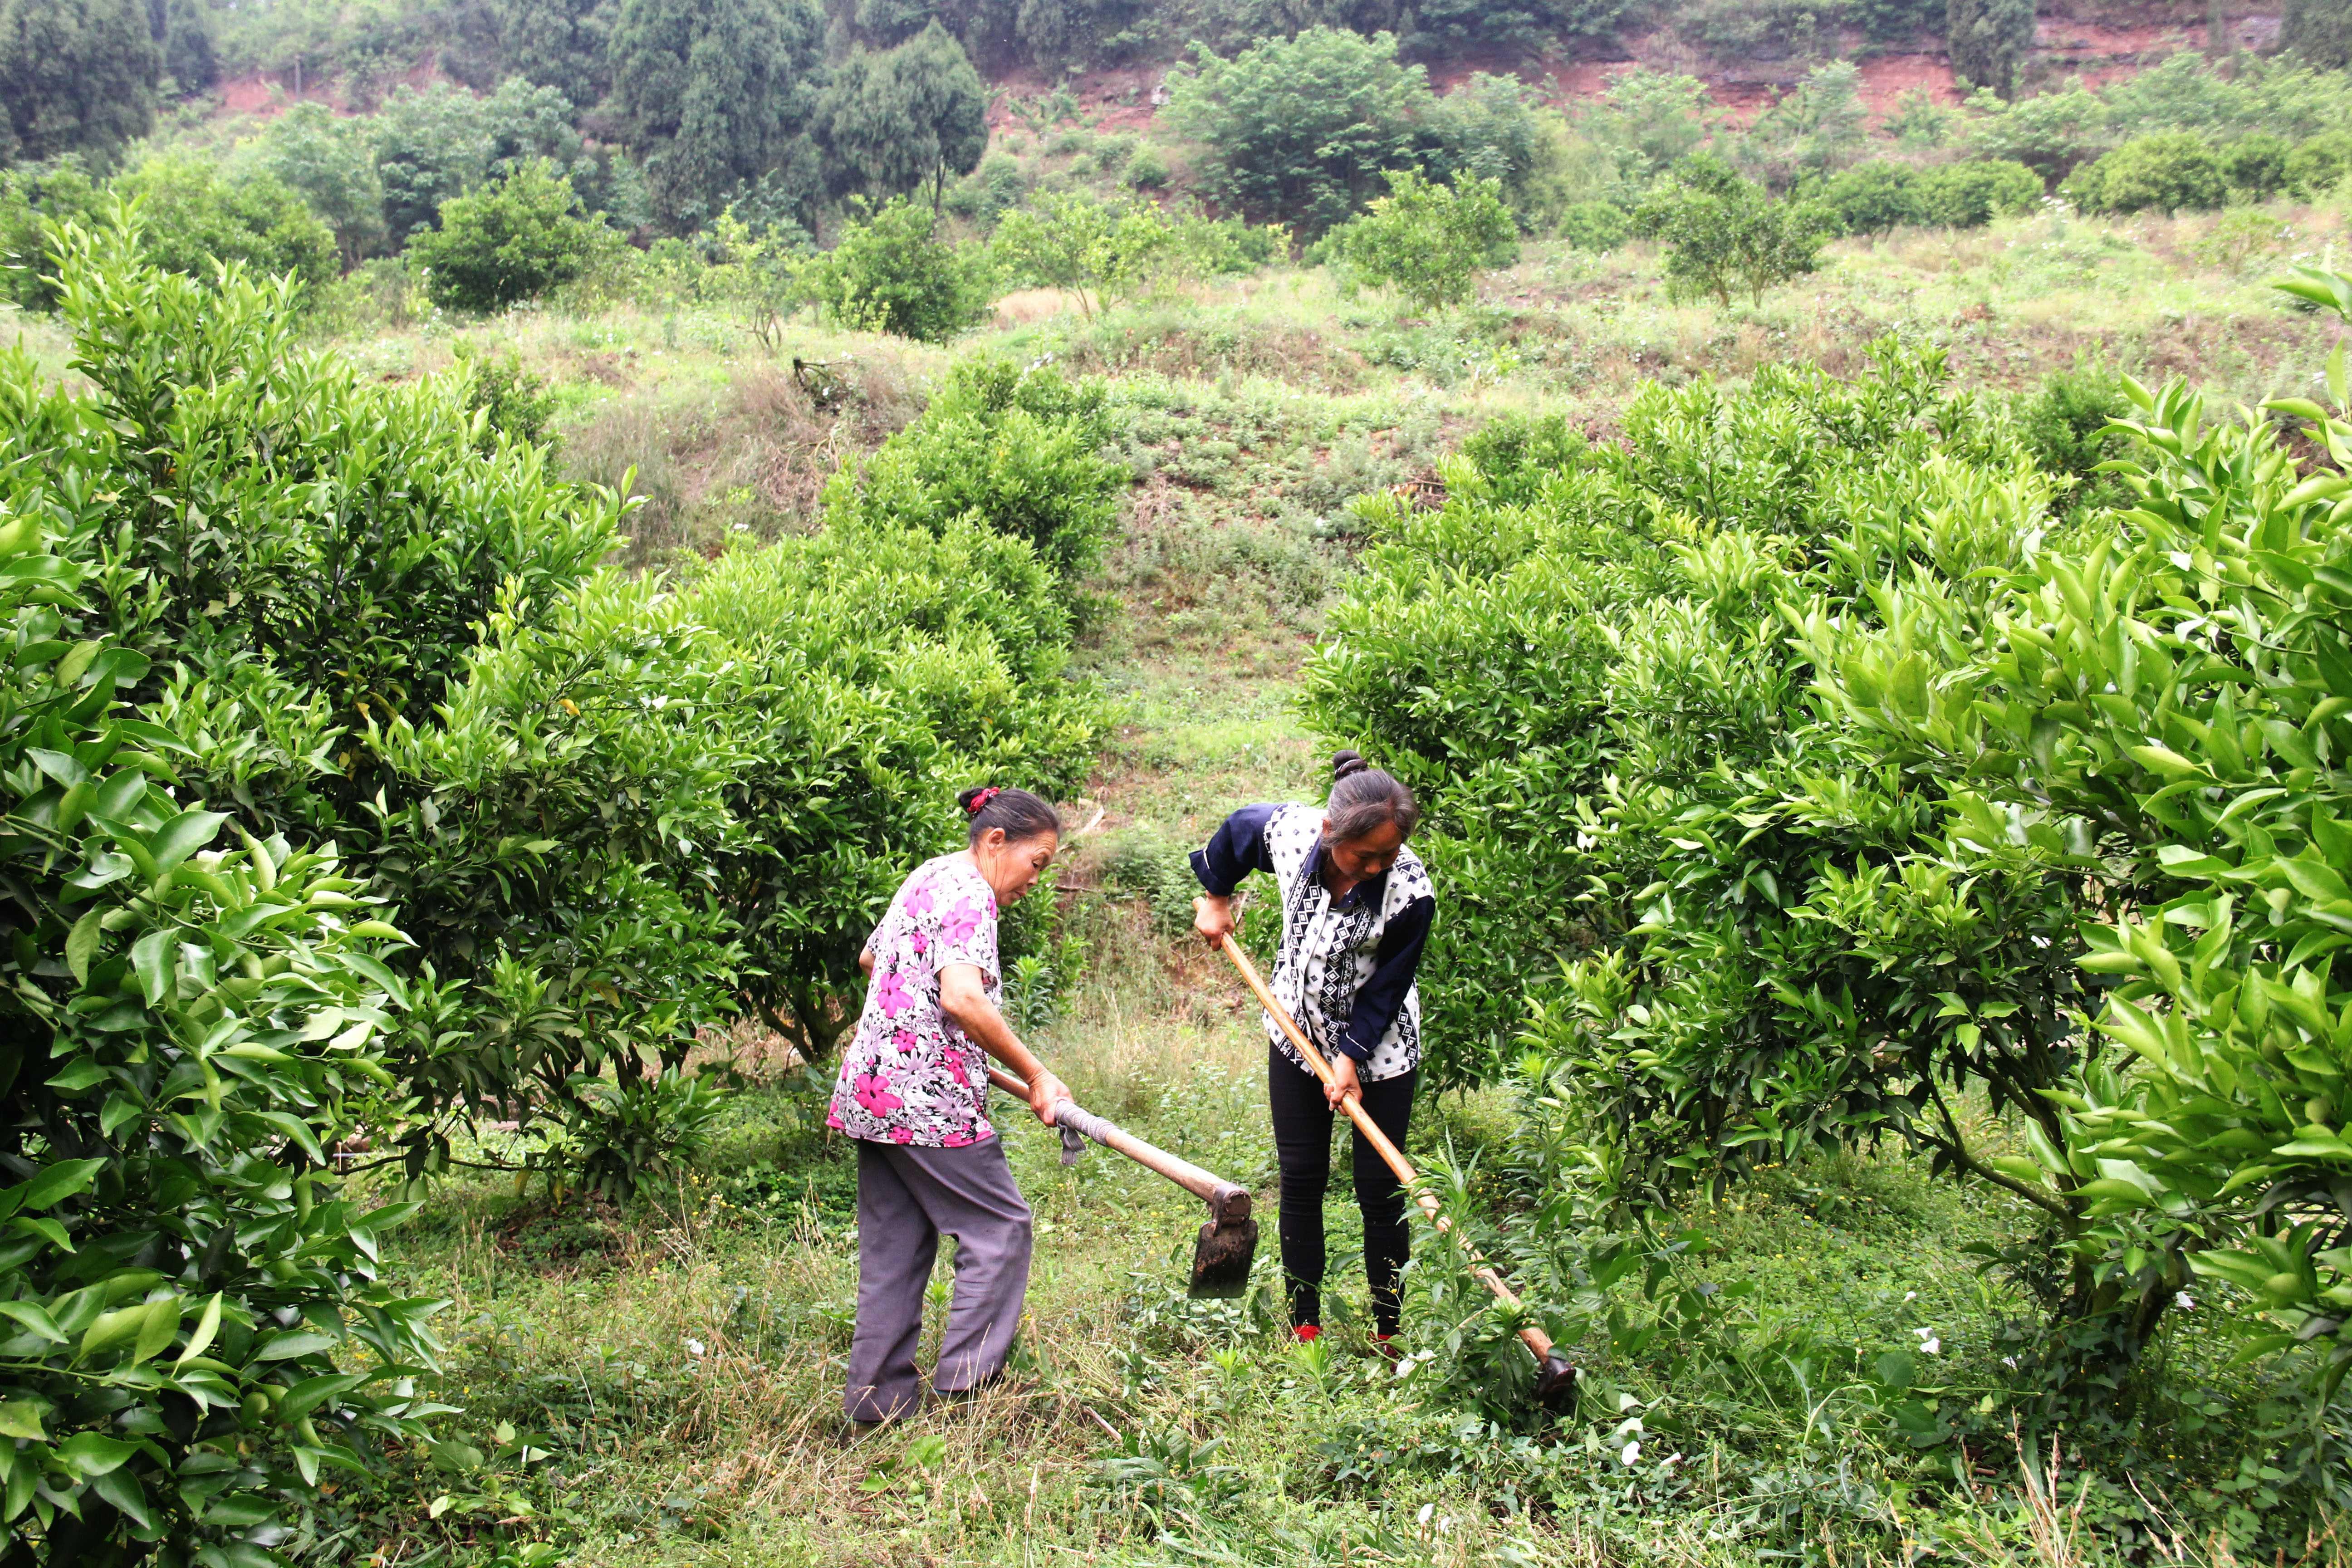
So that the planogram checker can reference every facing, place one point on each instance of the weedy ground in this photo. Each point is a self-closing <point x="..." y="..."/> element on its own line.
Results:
<point x="658" y="1385"/>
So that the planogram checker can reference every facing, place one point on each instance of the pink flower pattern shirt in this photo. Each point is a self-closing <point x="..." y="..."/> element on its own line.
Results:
<point x="910" y="1076"/>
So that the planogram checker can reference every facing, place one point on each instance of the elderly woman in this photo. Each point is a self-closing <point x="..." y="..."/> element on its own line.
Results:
<point x="913" y="1091"/>
<point x="1356" y="912"/>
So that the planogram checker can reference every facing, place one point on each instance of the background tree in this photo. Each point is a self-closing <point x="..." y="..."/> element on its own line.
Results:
<point x="331" y="161"/>
<point x="2169" y="172"/>
<point x="1725" y="233"/>
<point x="192" y="217"/>
<point x="907" y="117"/>
<point x="1431" y="240"/>
<point x="188" y="55"/>
<point x="513" y="240"/>
<point x="715" y="94"/>
<point x="2318" y="30"/>
<point x="1875" y="196"/>
<point x="897" y="273"/>
<point x="559" y="44"/>
<point x="1445" y="25"/>
<point x="1651" y="120"/>
<point x="1098" y="251"/>
<point x="1301" y="129"/>
<point x="76" y="76"/>
<point x="1987" y="38"/>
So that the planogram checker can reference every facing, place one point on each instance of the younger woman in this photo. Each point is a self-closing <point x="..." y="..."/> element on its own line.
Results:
<point x="1356" y="911"/>
<point x="913" y="1091"/>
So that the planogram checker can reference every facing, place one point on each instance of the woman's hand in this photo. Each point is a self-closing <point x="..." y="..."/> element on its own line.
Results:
<point x="1044" y="1091"/>
<point x="1213" y="917"/>
<point x="1343" y="1082"/>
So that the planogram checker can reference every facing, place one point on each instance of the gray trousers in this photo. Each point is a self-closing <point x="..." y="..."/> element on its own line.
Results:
<point x="906" y="1197"/>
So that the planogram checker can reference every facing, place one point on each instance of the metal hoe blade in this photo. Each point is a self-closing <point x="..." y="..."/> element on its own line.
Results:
<point x="1225" y="1249"/>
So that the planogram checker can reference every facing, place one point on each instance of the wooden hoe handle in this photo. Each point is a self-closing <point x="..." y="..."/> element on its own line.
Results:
<point x="1533" y="1337"/>
<point x="1224" y="1198"/>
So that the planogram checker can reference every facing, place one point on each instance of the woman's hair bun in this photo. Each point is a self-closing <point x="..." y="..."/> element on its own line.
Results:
<point x="973" y="799"/>
<point x="1347" y="764"/>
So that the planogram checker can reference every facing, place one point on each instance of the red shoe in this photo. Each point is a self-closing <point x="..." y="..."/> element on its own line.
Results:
<point x="1306" y="1333"/>
<point x="1385" y="1345"/>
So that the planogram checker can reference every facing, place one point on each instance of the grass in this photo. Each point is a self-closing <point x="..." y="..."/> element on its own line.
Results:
<point x="660" y="1385"/>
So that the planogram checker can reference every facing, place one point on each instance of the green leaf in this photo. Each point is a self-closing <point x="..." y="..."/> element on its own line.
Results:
<point x="81" y="942"/>
<point x="151" y="960"/>
<point x="207" y="1327"/>
<point x="59" y="1181"/>
<point x="184" y="836"/>
<point x="32" y="1316"/>
<point x="21" y="1418"/>
<point x="90" y="1454"/>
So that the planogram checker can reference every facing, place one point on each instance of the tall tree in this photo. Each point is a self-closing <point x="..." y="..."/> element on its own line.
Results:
<point x="909" y="116"/>
<point x="1987" y="40"/>
<point x="716" y="93"/>
<point x="2318" y="30"/>
<point x="332" y="162"/>
<point x="76" y="76"/>
<point x="1302" y="130"/>
<point x="559" y="44"/>
<point x="189" y="59"/>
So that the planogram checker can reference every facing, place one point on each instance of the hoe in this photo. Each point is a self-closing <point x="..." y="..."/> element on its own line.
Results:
<point x="1221" y="1256"/>
<point x="1555" y="1378"/>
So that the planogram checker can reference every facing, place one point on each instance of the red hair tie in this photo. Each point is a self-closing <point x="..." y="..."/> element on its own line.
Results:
<point x="982" y="798"/>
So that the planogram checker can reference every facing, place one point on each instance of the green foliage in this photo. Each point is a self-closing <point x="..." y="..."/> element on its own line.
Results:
<point x="1877" y="196"/>
<point x="1147" y="171"/>
<point x="2067" y="423"/>
<point x="2318" y="31"/>
<point x="993" y="189"/>
<point x="34" y="199"/>
<point x="1303" y="128"/>
<point x="192" y="216"/>
<point x="1725" y="233"/>
<point x="76" y="76"/>
<point x="442" y="143"/>
<point x="558" y="44"/>
<point x="1431" y="241"/>
<point x="1594" y="225"/>
<point x="515" y="405"/>
<point x="2170" y="171"/>
<point x="196" y="1326"/>
<point x="1573" y="654"/>
<point x="2318" y="165"/>
<point x="1651" y="120"/>
<point x="718" y="95"/>
<point x="1731" y="31"/>
<point x="511" y="240"/>
<point x="1099" y="251"/>
<point x="2255" y="166"/>
<point x="1448" y="26"/>
<point x="1021" y="453"/>
<point x="1815" y="129"/>
<point x="330" y="161"/>
<point x="1971" y="195"/>
<point x="1893" y="21"/>
<point x="910" y="117"/>
<point x="1988" y="39"/>
<point x="895" y="272"/>
<point x="189" y="63"/>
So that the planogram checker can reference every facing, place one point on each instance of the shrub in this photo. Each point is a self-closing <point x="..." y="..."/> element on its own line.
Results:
<point x="511" y="240"/>
<point x="1875" y="196"/>
<point x="2255" y="166"/>
<point x="1594" y="225"/>
<point x="1147" y="171"/>
<point x="896" y="273"/>
<point x="1301" y="129"/>
<point x="1971" y="195"/>
<point x="1724" y="233"/>
<point x="34" y="199"/>
<point x="1431" y="240"/>
<point x="1098" y="251"/>
<point x="2169" y="170"/>
<point x="2318" y="165"/>
<point x="2066" y="426"/>
<point x="195" y="1322"/>
<point x="193" y="218"/>
<point x="1019" y="452"/>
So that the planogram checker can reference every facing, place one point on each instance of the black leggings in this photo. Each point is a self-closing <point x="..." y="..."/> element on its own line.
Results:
<point x="1302" y="1145"/>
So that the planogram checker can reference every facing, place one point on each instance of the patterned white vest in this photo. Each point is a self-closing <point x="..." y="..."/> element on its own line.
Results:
<point x="1326" y="954"/>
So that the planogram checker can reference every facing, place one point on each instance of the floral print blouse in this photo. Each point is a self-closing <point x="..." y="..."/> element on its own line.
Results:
<point x="910" y="1076"/>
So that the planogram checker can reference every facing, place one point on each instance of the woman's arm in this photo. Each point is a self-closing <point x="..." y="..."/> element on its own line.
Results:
<point x="1233" y="852"/>
<point x="1395" y="962"/>
<point x="967" y="1006"/>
